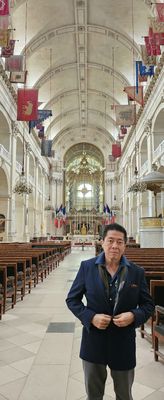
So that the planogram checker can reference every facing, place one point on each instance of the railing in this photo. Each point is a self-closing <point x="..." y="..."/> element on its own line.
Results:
<point x="18" y="167"/>
<point x="144" y="167"/>
<point x="5" y="154"/>
<point x="159" y="151"/>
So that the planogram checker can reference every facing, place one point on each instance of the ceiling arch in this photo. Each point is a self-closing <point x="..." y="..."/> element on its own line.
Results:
<point x="93" y="47"/>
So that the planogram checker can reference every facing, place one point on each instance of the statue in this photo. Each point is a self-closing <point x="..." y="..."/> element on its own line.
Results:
<point x="83" y="230"/>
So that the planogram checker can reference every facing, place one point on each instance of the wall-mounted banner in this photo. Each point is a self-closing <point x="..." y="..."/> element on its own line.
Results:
<point x="4" y="7"/>
<point x="125" y="114"/>
<point x="133" y="95"/>
<point x="27" y="106"/>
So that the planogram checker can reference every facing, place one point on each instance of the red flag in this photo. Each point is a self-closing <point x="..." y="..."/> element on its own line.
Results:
<point x="9" y="50"/>
<point x="27" y="105"/>
<point x="160" y="12"/>
<point x="4" y="7"/>
<point x="56" y="222"/>
<point x="116" y="150"/>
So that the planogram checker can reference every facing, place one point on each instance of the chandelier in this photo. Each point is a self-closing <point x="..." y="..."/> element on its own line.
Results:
<point x="138" y="186"/>
<point x="22" y="187"/>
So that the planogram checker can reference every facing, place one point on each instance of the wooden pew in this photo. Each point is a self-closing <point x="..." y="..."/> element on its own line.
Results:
<point x="8" y="284"/>
<point x="158" y="332"/>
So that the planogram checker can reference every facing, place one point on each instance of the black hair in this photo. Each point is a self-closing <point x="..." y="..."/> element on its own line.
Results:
<point x="114" y="227"/>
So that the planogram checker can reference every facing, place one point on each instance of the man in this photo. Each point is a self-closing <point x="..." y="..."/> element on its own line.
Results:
<point x="117" y="301"/>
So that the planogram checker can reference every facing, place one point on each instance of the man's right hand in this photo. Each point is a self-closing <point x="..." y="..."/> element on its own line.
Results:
<point x="101" y="321"/>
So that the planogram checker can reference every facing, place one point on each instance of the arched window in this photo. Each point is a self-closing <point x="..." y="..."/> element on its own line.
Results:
<point x="85" y="190"/>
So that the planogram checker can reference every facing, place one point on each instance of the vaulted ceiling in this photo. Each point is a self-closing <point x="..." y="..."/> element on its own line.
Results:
<point x="80" y="54"/>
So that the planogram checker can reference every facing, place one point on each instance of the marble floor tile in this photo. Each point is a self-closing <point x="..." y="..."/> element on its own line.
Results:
<point x="40" y="365"/>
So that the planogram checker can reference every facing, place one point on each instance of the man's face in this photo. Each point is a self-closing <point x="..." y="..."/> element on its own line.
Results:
<point x="114" y="246"/>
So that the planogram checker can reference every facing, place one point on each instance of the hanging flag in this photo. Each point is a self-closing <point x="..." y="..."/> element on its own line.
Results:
<point x="4" y="37"/>
<point x="123" y="130"/>
<point x="107" y="209"/>
<point x="9" y="50"/>
<point x="156" y="26"/>
<point x="41" y="133"/>
<point x="116" y="150"/>
<point x="46" y="148"/>
<point x="4" y="7"/>
<point x="148" y="60"/>
<point x="125" y="114"/>
<point x="152" y="44"/>
<point x="4" y="22"/>
<point x="144" y="70"/>
<point x="27" y="104"/>
<point x="42" y="115"/>
<point x="160" y="12"/>
<point x="104" y="209"/>
<point x="56" y="222"/>
<point x="133" y="95"/>
<point x="14" y="63"/>
<point x="18" y="77"/>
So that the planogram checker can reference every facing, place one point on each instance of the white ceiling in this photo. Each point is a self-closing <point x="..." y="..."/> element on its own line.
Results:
<point x="80" y="54"/>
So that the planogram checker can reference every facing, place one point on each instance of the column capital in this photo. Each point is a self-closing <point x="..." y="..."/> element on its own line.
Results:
<point x="148" y="126"/>
<point x="28" y="148"/>
<point x="15" y="129"/>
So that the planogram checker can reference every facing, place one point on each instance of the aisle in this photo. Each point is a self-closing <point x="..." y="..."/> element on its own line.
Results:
<point x="39" y="346"/>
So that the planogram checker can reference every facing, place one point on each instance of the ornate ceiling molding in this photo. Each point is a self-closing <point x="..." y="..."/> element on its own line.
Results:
<point x="75" y="92"/>
<point x="103" y="68"/>
<point x="42" y="38"/>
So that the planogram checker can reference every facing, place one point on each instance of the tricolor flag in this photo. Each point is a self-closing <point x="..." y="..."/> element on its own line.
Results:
<point x="4" y="7"/>
<point x="8" y="50"/>
<point x="27" y="105"/>
<point x="133" y="95"/>
<point x="160" y="12"/>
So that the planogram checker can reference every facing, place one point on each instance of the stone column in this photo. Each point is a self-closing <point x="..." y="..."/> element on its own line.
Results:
<point x="36" y="227"/>
<point x="26" y="196"/>
<point x="43" y="225"/>
<point x="148" y="130"/>
<point x="108" y="190"/>
<point x="138" y="195"/>
<point x="11" y="206"/>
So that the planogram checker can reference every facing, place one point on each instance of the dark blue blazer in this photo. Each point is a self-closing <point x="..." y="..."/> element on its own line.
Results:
<point x="113" y="346"/>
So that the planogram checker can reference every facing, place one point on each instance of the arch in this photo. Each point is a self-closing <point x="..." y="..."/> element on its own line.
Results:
<point x="4" y="129"/>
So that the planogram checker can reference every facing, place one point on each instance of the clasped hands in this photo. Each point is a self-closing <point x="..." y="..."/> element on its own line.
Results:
<point x="101" y="321"/>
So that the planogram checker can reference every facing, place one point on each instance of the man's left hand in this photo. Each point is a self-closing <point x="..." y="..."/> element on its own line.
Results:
<point x="123" y="319"/>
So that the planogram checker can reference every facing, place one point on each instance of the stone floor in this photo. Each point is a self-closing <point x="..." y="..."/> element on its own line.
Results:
<point x="39" y="346"/>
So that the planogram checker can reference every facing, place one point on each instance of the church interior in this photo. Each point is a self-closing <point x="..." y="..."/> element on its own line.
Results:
<point x="81" y="147"/>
